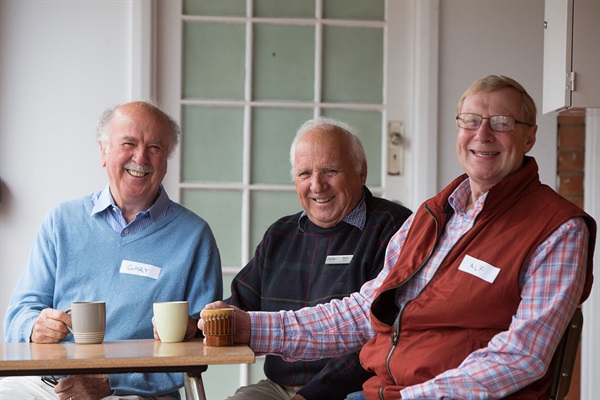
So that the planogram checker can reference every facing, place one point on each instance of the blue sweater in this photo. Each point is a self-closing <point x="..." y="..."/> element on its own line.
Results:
<point x="78" y="257"/>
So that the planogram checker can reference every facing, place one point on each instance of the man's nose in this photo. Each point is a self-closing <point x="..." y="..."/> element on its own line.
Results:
<point x="485" y="132"/>
<point x="140" y="156"/>
<point x="317" y="182"/>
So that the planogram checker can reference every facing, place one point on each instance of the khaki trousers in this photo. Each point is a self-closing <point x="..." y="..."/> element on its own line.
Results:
<point x="265" y="390"/>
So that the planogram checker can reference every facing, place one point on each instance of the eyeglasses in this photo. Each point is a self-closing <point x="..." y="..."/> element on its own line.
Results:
<point x="50" y="381"/>
<point x="499" y="123"/>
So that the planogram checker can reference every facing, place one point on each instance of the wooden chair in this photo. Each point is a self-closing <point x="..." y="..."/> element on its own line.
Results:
<point x="563" y="361"/>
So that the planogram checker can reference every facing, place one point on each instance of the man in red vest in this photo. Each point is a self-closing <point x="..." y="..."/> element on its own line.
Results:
<point x="478" y="285"/>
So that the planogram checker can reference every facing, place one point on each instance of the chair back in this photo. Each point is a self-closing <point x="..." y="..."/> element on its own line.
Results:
<point x="563" y="360"/>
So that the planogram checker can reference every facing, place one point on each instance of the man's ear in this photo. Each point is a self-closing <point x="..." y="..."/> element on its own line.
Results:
<point x="102" y="152"/>
<point x="363" y="176"/>
<point x="530" y="138"/>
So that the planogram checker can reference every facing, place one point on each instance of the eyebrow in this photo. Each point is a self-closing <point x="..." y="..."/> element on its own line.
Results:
<point x="133" y="139"/>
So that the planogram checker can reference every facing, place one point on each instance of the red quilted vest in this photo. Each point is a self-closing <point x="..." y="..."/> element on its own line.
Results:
<point x="457" y="312"/>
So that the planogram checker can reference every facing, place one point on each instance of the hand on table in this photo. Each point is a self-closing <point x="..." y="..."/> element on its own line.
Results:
<point x="241" y="318"/>
<point x="83" y="387"/>
<point x="50" y="326"/>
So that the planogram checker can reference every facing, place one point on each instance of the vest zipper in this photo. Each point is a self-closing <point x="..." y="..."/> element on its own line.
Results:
<point x="396" y="335"/>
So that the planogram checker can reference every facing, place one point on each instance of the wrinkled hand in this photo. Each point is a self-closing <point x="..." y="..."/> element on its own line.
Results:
<point x="83" y="387"/>
<point x="241" y="322"/>
<point x="50" y="326"/>
<point x="190" y="331"/>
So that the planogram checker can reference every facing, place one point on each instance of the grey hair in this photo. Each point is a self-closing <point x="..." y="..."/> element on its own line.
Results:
<point x="103" y="134"/>
<point x="328" y="125"/>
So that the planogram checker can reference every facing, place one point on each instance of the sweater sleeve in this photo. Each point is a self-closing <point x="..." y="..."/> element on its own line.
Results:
<point x="205" y="280"/>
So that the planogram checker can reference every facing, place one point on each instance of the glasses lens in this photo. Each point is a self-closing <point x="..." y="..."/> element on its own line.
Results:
<point x="469" y="121"/>
<point x="502" y="123"/>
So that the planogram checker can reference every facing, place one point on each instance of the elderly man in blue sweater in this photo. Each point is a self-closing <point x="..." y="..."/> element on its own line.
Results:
<point x="83" y="247"/>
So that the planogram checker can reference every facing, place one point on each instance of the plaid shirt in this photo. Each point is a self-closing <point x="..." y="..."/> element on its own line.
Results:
<point x="512" y="358"/>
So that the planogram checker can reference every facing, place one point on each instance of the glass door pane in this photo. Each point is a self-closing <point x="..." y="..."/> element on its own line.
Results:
<point x="212" y="144"/>
<point x="283" y="62"/>
<point x="213" y="60"/>
<point x="273" y="130"/>
<point x="352" y="65"/>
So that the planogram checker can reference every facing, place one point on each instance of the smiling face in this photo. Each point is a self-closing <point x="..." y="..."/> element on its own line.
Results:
<point x="488" y="156"/>
<point x="326" y="177"/>
<point x="136" y="156"/>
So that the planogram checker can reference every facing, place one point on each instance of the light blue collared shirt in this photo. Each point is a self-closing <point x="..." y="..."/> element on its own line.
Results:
<point x="104" y="204"/>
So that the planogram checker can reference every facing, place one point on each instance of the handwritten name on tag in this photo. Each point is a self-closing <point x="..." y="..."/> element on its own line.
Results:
<point x="479" y="268"/>
<point x="345" y="259"/>
<point x="141" y="269"/>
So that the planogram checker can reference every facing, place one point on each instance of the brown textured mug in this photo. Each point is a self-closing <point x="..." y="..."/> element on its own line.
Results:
<point x="219" y="326"/>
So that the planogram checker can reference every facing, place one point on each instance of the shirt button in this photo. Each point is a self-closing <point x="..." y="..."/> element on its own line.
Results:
<point x="126" y="231"/>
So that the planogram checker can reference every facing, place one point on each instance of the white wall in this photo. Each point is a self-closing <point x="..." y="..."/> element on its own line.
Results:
<point x="62" y="64"/>
<point x="479" y="38"/>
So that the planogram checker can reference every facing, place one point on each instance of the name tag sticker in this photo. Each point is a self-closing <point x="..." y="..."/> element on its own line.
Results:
<point x="479" y="268"/>
<point x="141" y="269"/>
<point x="345" y="259"/>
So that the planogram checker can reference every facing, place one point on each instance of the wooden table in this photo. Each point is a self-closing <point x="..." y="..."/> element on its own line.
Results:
<point x="121" y="356"/>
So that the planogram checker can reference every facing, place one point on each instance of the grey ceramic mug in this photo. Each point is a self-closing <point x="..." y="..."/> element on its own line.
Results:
<point x="88" y="321"/>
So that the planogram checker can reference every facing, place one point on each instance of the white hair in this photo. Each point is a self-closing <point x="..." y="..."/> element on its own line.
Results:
<point x="327" y="125"/>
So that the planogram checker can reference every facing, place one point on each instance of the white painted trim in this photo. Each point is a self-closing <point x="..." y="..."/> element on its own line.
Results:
<point x="415" y="73"/>
<point x="590" y="346"/>
<point x="247" y="150"/>
<point x="286" y="21"/>
<point x="141" y="45"/>
<point x="425" y="101"/>
<point x="168" y="45"/>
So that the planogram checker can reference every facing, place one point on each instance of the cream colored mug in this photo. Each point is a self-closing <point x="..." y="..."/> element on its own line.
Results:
<point x="170" y="319"/>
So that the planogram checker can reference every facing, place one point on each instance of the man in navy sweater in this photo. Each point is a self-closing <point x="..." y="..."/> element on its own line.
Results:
<point x="325" y="252"/>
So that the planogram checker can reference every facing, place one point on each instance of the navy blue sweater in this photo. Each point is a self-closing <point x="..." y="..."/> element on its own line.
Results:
<point x="289" y="271"/>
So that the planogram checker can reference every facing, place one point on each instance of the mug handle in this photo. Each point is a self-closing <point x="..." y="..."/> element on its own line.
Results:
<point x="68" y="311"/>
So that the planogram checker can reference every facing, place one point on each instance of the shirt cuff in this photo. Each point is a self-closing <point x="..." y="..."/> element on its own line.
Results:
<point x="265" y="336"/>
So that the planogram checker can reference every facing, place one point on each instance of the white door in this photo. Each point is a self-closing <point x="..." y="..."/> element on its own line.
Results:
<point x="242" y="75"/>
